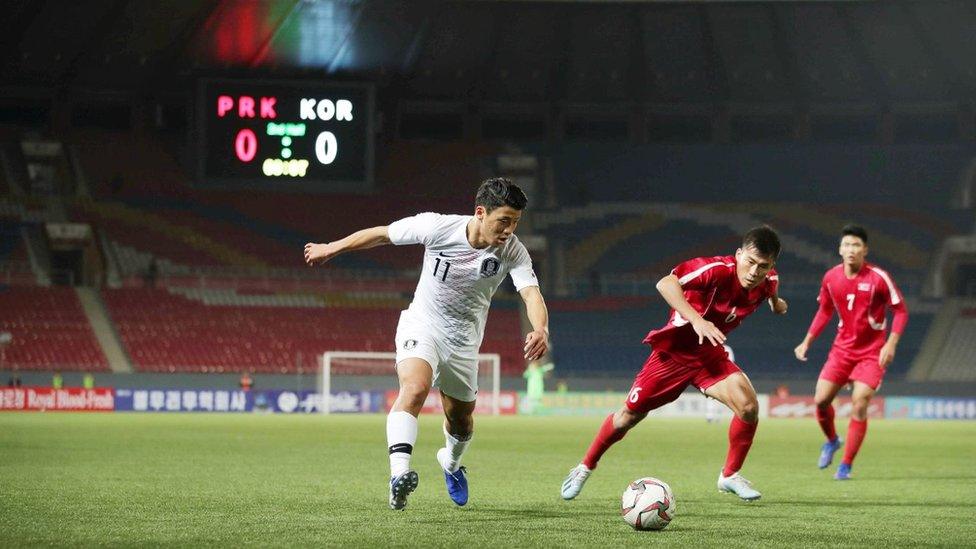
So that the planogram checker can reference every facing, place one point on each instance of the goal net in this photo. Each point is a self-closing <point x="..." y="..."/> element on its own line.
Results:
<point x="356" y="371"/>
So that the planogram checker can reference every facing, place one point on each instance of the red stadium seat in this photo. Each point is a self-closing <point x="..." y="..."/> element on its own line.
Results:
<point x="50" y="331"/>
<point x="165" y="331"/>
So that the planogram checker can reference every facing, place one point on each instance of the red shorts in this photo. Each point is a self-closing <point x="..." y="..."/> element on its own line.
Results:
<point x="662" y="380"/>
<point x="840" y="370"/>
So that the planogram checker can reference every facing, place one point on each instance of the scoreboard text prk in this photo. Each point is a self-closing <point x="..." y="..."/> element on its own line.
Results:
<point x="294" y="133"/>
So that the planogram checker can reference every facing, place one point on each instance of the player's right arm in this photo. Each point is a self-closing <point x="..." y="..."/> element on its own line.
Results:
<point x="670" y="289"/>
<point x="417" y="229"/>
<point x="316" y="254"/>
<point x="820" y="319"/>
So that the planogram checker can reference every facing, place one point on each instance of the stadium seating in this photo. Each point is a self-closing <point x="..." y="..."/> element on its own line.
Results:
<point x="145" y="203"/>
<point x="713" y="192"/>
<point x="629" y="231"/>
<point x="605" y="340"/>
<point x="602" y="341"/>
<point x="652" y="237"/>
<point x="50" y="331"/>
<point x="226" y="330"/>
<point x="923" y="176"/>
<point x="145" y="168"/>
<point x="955" y="361"/>
<point x="11" y="242"/>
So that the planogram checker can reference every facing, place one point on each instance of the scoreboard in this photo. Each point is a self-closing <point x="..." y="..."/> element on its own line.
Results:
<point x="288" y="135"/>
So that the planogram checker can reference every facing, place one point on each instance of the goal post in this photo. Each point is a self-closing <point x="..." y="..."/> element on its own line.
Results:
<point x="333" y="364"/>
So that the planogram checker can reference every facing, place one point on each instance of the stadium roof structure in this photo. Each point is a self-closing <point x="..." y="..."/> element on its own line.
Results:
<point x="646" y="51"/>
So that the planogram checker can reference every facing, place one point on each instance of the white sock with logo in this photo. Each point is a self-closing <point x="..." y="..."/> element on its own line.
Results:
<point x="401" y="435"/>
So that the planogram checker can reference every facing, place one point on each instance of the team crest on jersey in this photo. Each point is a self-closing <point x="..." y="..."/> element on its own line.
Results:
<point x="409" y="344"/>
<point x="732" y="316"/>
<point x="864" y="286"/>
<point x="489" y="267"/>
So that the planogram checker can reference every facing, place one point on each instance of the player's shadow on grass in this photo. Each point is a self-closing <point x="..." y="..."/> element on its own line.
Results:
<point x="860" y="503"/>
<point x="734" y="512"/>
<point x="918" y="477"/>
<point x="556" y="510"/>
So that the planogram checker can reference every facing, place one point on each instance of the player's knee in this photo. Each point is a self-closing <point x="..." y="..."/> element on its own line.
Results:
<point x="859" y="408"/>
<point x="414" y="392"/>
<point x="749" y="411"/>
<point x="822" y="402"/>
<point x="626" y="418"/>
<point x="461" y="427"/>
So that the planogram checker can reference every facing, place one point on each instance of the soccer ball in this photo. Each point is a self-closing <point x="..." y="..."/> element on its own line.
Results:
<point x="648" y="504"/>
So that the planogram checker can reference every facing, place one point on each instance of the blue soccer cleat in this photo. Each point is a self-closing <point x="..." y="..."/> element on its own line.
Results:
<point x="843" y="472"/>
<point x="400" y="487"/>
<point x="457" y="485"/>
<point x="827" y="452"/>
<point x="457" y="482"/>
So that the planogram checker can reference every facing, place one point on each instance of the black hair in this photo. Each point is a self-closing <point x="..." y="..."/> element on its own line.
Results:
<point x="500" y="191"/>
<point x="764" y="239"/>
<point x="854" y="230"/>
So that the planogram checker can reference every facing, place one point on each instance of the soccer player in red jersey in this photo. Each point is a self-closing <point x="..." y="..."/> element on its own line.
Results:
<point x="709" y="296"/>
<point x="860" y="293"/>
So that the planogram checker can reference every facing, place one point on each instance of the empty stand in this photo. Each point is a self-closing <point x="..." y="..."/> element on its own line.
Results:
<point x="957" y="360"/>
<point x="145" y="203"/>
<point x="923" y="176"/>
<point x="210" y="330"/>
<point x="602" y="337"/>
<point x="50" y="331"/>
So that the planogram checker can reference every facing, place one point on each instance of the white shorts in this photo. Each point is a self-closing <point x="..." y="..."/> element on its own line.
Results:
<point x="455" y="369"/>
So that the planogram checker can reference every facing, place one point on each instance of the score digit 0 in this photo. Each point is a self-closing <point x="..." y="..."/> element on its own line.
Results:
<point x="326" y="147"/>
<point x="246" y="145"/>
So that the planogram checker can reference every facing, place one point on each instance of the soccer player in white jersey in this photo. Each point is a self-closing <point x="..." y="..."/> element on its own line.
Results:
<point x="439" y="335"/>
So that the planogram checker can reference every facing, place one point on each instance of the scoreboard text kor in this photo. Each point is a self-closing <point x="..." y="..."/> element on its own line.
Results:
<point x="267" y="132"/>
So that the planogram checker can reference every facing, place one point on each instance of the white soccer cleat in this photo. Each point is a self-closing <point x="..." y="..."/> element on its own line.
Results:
<point x="574" y="482"/>
<point x="738" y="485"/>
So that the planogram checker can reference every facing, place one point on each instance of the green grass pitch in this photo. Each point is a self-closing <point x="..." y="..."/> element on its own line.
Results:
<point x="257" y="480"/>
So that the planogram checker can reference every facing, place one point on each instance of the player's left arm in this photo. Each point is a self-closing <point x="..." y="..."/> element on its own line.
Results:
<point x="776" y="303"/>
<point x="536" y="341"/>
<point x="887" y="354"/>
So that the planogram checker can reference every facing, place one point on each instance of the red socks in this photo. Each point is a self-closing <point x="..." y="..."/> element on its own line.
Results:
<point x="740" y="439"/>
<point x="825" y="417"/>
<point x="855" y="436"/>
<point x="605" y="438"/>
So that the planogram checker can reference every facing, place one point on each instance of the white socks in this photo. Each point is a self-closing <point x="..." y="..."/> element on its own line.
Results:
<point x="401" y="435"/>
<point x="455" y="449"/>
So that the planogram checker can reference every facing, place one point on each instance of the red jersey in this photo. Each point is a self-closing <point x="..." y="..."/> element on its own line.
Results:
<point x="712" y="288"/>
<point x="861" y="304"/>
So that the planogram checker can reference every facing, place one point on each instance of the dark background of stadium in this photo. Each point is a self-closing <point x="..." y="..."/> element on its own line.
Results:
<point x="800" y="114"/>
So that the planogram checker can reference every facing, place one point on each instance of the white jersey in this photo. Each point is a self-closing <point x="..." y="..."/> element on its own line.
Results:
<point x="457" y="281"/>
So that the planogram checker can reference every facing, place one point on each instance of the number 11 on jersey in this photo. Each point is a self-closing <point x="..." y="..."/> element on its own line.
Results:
<point x="437" y="266"/>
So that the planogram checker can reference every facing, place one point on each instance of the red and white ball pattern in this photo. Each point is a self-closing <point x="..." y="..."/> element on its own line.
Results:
<point x="648" y="504"/>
